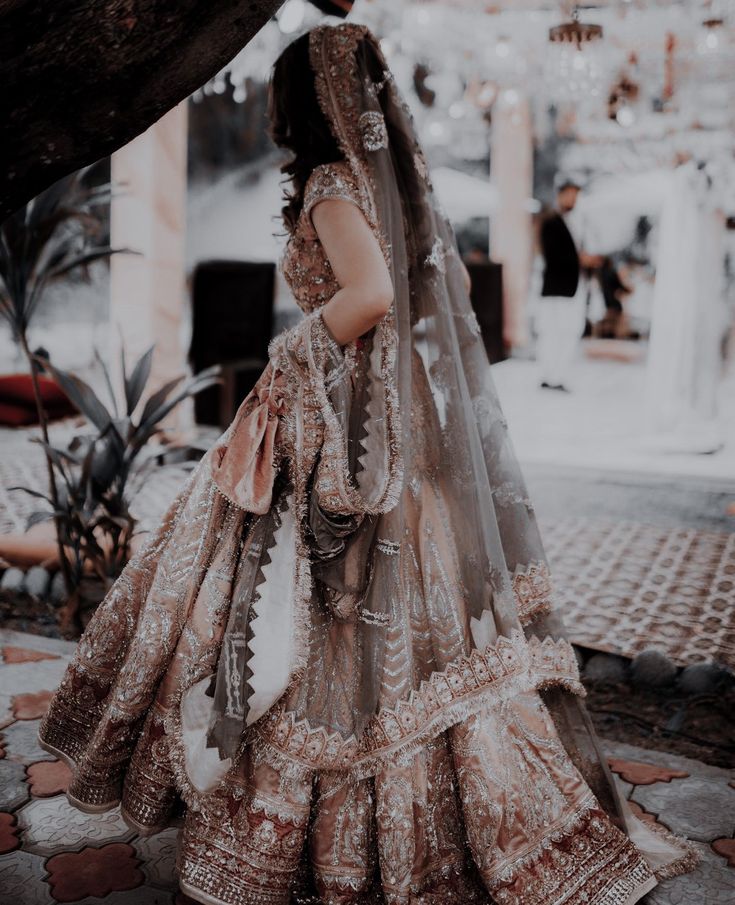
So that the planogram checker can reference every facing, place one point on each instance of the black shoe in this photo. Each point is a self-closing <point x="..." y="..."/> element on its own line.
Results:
<point x="554" y="386"/>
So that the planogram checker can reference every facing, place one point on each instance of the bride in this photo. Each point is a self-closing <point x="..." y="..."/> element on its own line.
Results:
<point x="337" y="663"/>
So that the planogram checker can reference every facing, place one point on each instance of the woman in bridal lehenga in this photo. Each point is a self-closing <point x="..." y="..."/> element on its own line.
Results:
<point x="337" y="662"/>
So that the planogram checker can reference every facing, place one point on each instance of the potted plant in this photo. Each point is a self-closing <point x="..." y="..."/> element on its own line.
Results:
<point x="54" y="234"/>
<point x="95" y="474"/>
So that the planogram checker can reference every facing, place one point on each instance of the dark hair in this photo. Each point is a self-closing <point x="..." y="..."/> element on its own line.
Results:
<point x="568" y="184"/>
<point x="298" y="124"/>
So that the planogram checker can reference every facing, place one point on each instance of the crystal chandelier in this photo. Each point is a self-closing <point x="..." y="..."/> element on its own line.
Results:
<point x="574" y="70"/>
<point x="713" y="71"/>
<point x="713" y="38"/>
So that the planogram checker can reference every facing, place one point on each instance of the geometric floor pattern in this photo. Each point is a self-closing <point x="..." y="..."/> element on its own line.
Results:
<point x="626" y="586"/>
<point x="50" y="852"/>
<point x="22" y="464"/>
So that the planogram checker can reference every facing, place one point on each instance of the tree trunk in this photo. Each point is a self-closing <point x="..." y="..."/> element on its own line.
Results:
<point x="81" y="78"/>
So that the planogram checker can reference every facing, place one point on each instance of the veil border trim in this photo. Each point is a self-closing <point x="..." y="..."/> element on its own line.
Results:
<point x="333" y="55"/>
<point x="509" y="667"/>
<point x="331" y="51"/>
<point x="533" y="591"/>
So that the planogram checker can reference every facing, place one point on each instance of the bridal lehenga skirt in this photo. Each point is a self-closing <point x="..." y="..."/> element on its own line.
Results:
<point x="457" y="789"/>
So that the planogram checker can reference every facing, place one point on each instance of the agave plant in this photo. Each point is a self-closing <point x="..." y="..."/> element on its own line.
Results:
<point x="94" y="475"/>
<point x="45" y="240"/>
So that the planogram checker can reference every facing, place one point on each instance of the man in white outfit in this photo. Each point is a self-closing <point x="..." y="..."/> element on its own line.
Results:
<point x="561" y="311"/>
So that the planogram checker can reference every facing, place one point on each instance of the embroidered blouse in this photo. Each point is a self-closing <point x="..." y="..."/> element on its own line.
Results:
<point x="305" y="265"/>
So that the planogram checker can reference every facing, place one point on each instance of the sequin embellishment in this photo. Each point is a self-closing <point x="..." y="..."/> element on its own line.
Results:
<point x="373" y="131"/>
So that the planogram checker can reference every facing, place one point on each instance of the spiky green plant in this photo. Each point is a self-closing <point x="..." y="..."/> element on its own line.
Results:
<point x="95" y="473"/>
<point x="44" y="241"/>
<point x="40" y="243"/>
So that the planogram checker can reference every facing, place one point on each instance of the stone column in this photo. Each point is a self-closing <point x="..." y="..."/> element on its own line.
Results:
<point x="147" y="290"/>
<point x="511" y="230"/>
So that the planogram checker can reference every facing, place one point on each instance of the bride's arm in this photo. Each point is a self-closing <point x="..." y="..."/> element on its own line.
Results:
<point x="366" y="292"/>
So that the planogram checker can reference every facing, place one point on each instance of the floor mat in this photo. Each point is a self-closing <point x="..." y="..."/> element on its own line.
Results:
<point x="626" y="586"/>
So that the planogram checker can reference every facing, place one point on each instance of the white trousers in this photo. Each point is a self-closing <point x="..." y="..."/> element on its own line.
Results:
<point x="559" y="328"/>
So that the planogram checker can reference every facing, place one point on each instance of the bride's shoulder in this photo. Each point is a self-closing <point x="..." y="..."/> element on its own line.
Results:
<point x="330" y="169"/>
<point x="333" y="181"/>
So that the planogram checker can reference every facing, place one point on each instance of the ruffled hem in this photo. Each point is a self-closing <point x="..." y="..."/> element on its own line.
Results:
<point x="106" y="806"/>
<point x="583" y="859"/>
<point x="580" y="858"/>
<point x="683" y="865"/>
<point x="502" y="671"/>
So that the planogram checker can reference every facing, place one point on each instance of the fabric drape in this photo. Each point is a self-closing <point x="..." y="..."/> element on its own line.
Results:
<point x="340" y="651"/>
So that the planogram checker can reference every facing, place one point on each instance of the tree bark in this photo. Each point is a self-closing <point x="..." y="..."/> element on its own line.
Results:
<point x="81" y="78"/>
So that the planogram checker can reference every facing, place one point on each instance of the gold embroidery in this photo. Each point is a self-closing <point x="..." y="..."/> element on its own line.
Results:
<point x="373" y="130"/>
<point x="304" y="263"/>
<point x="533" y="591"/>
<point x="499" y="672"/>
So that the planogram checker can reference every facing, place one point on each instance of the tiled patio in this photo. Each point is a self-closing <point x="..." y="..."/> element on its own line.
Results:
<point x="50" y="852"/>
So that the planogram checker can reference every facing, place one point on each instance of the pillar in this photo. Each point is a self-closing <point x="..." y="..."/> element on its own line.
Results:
<point x="511" y="230"/>
<point x="147" y="290"/>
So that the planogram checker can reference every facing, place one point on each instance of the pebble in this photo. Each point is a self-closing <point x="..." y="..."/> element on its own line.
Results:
<point x="653" y="669"/>
<point x="37" y="582"/>
<point x="57" y="591"/>
<point x="12" y="580"/>
<point x="703" y="678"/>
<point x="606" y="668"/>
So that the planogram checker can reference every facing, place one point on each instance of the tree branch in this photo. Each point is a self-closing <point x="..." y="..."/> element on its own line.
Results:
<point x="81" y="78"/>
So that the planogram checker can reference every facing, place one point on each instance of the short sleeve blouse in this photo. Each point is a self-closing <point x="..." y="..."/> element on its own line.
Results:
<point x="305" y="265"/>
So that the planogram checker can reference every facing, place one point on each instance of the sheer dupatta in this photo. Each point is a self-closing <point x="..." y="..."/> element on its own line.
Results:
<point x="359" y="480"/>
<point x="501" y="570"/>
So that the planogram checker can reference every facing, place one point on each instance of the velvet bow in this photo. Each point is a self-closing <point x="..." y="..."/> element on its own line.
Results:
<point x="243" y="466"/>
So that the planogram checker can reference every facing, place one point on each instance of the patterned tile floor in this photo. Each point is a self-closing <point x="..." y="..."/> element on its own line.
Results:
<point x="22" y="465"/>
<point x="52" y="853"/>
<point x="624" y="586"/>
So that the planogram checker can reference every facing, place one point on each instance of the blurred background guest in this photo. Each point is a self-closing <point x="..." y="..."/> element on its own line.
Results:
<point x="561" y="314"/>
<point x="614" y="323"/>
